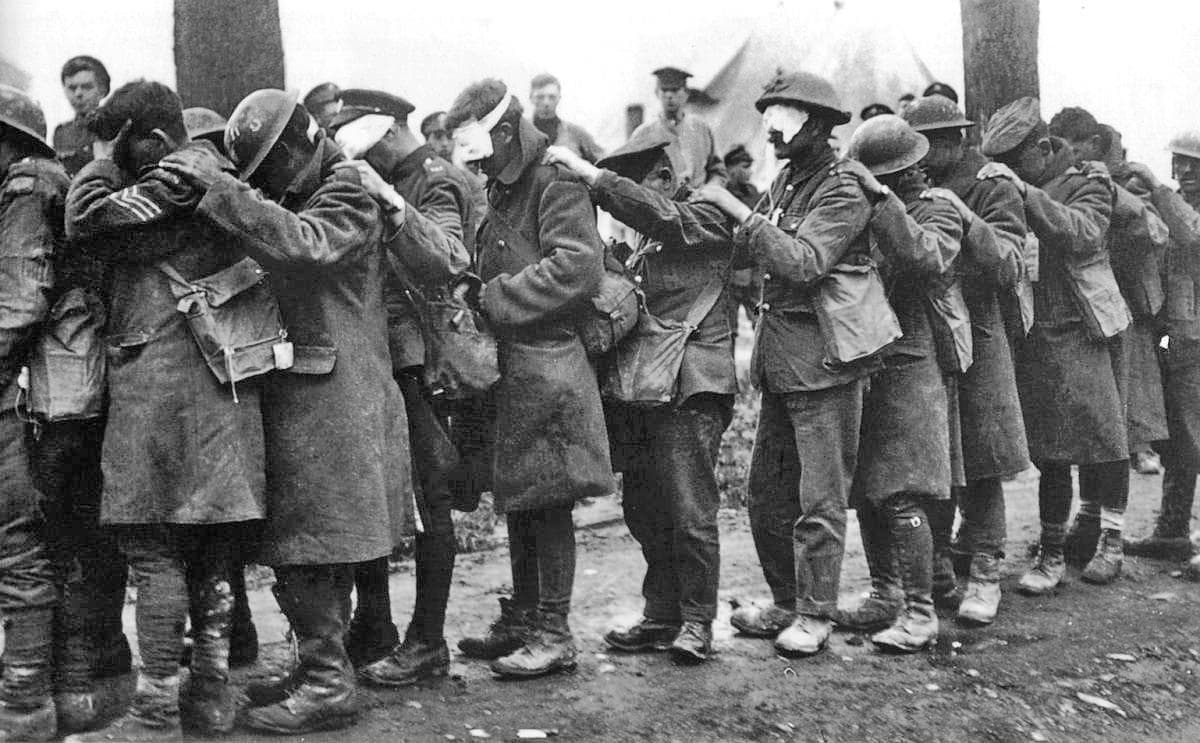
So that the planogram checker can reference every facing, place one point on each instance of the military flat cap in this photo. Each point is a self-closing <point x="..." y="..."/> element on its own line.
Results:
<point x="942" y="89"/>
<point x="358" y="102"/>
<point x="671" y="77"/>
<point x="635" y="158"/>
<point x="875" y="109"/>
<point x="1010" y="125"/>
<point x="803" y="89"/>
<point x="738" y="154"/>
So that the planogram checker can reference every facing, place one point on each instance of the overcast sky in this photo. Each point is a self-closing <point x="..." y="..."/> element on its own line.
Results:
<point x="1133" y="64"/>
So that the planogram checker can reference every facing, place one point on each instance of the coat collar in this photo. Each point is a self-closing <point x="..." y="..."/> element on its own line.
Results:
<point x="308" y="180"/>
<point x="412" y="162"/>
<point x="822" y="159"/>
<point x="963" y="176"/>
<point x="533" y="145"/>
<point x="1060" y="162"/>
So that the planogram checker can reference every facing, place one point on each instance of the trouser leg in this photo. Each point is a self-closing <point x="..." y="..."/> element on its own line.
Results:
<point x="912" y="540"/>
<point x="983" y="515"/>
<point x="774" y="505"/>
<point x="647" y="514"/>
<point x="1054" y="504"/>
<point x="435" y="551"/>
<point x="210" y="597"/>
<point x="826" y="425"/>
<point x="154" y="555"/>
<point x="1178" y="494"/>
<point x="875" y="529"/>
<point x="523" y="558"/>
<point x="555" y="559"/>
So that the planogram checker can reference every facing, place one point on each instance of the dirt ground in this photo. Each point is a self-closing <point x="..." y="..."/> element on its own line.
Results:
<point x="1135" y="644"/>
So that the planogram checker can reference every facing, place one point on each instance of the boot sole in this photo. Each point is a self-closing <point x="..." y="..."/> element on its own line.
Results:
<point x="335" y="722"/>
<point x="801" y="653"/>
<point x="974" y="621"/>
<point x="684" y="657"/>
<point x="646" y="647"/>
<point x="902" y="650"/>
<point x="1100" y="581"/>
<point x="514" y="675"/>
<point x="436" y="675"/>
<point x="489" y="656"/>
<point x="759" y="632"/>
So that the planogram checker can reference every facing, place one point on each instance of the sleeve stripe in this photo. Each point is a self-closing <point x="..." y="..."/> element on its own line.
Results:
<point x="122" y="200"/>
<point x="143" y="200"/>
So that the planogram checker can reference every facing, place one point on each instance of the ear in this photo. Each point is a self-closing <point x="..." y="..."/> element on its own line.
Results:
<point x="166" y="141"/>
<point x="504" y="132"/>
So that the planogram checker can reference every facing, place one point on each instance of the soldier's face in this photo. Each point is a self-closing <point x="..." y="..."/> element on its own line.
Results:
<point x="661" y="178"/>
<point x="1186" y="171"/>
<point x="738" y="172"/>
<point x="1086" y="148"/>
<point x="945" y="151"/>
<point x="545" y="101"/>
<point x="672" y="99"/>
<point x="83" y="91"/>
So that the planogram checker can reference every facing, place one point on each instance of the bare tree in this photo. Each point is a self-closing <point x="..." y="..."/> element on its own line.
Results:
<point x="1000" y="52"/>
<point x="225" y="49"/>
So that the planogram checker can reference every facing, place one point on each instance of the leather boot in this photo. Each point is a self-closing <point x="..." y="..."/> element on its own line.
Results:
<point x="1049" y="567"/>
<point x="693" y="644"/>
<point x="550" y="648"/>
<point x="26" y="710"/>
<point x="372" y="633"/>
<point x="805" y="636"/>
<point x="982" y="598"/>
<point x="756" y="620"/>
<point x="647" y="634"/>
<point x="80" y="711"/>
<point x="1081" y="540"/>
<point x="262" y="693"/>
<point x="1169" y="540"/>
<point x="369" y="641"/>
<point x="917" y="626"/>
<point x="504" y="636"/>
<point x="882" y="605"/>
<point x="153" y="716"/>
<point x="243" y="635"/>
<point x="1105" y="566"/>
<point x="206" y="704"/>
<point x="412" y="662"/>
<point x="314" y="599"/>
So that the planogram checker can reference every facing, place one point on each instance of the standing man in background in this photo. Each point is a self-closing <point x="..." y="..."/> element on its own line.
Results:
<point x="544" y="94"/>
<point x="693" y="150"/>
<point x="85" y="83"/>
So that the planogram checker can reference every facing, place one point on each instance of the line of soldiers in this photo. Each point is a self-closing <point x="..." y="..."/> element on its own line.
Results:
<point x="930" y="322"/>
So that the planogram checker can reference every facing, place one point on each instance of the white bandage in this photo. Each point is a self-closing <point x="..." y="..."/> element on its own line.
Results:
<point x="473" y="139"/>
<point x="360" y="135"/>
<point x="787" y="120"/>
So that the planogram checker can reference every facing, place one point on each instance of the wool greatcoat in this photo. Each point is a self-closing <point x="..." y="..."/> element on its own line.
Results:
<point x="993" y="431"/>
<point x="336" y="433"/>
<point x="1069" y="392"/>
<point x="541" y="259"/>
<point x="904" y="446"/>
<point x="177" y="448"/>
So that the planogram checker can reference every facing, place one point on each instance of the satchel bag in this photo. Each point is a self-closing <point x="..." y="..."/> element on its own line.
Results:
<point x="235" y="321"/>
<point x="951" y="324"/>
<point x="645" y="367"/>
<point x="1097" y="296"/>
<point x="66" y="369"/>
<point x="613" y="310"/>
<point x="853" y="312"/>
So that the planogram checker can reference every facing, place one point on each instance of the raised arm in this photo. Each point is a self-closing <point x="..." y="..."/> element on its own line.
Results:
<point x="674" y="223"/>
<point x="1081" y="223"/>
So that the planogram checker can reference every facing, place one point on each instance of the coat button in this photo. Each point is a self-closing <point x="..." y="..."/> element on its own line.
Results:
<point x="765" y="307"/>
<point x="502" y="244"/>
<point x="658" y="248"/>
<point x="766" y="277"/>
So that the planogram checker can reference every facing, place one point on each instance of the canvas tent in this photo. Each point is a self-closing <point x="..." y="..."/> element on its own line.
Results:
<point x="866" y="61"/>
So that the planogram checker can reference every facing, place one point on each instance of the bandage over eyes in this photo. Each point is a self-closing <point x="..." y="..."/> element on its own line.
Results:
<point x="473" y="140"/>
<point x="360" y="135"/>
<point x="787" y="120"/>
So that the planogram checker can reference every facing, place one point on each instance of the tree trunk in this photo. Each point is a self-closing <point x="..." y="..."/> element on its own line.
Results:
<point x="1000" y="52"/>
<point x="226" y="49"/>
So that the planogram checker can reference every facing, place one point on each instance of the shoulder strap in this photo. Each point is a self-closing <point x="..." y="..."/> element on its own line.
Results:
<point x="706" y="300"/>
<point x="180" y="286"/>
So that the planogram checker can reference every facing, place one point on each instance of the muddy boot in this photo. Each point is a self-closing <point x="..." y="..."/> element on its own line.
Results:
<point x="646" y="635"/>
<point x="693" y="644"/>
<point x="262" y="693"/>
<point x="550" y="648"/>
<point x="1081" y="539"/>
<point x="26" y="710"/>
<point x="1049" y="567"/>
<point x="882" y="605"/>
<point x="982" y="598"/>
<point x="912" y="543"/>
<point x="1105" y="566"/>
<point x="1169" y="540"/>
<point x="314" y="599"/>
<point x="372" y="633"/>
<point x="505" y="635"/>
<point x="80" y="711"/>
<point x="805" y="636"/>
<point x="755" y="620"/>
<point x="243" y="636"/>
<point x="413" y="662"/>
<point x="369" y="641"/>
<point x="206" y="704"/>
<point x="152" y="717"/>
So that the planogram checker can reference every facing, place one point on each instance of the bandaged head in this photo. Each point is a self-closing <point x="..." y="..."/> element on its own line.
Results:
<point x="787" y="120"/>
<point x="357" y="137"/>
<point x="473" y="138"/>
